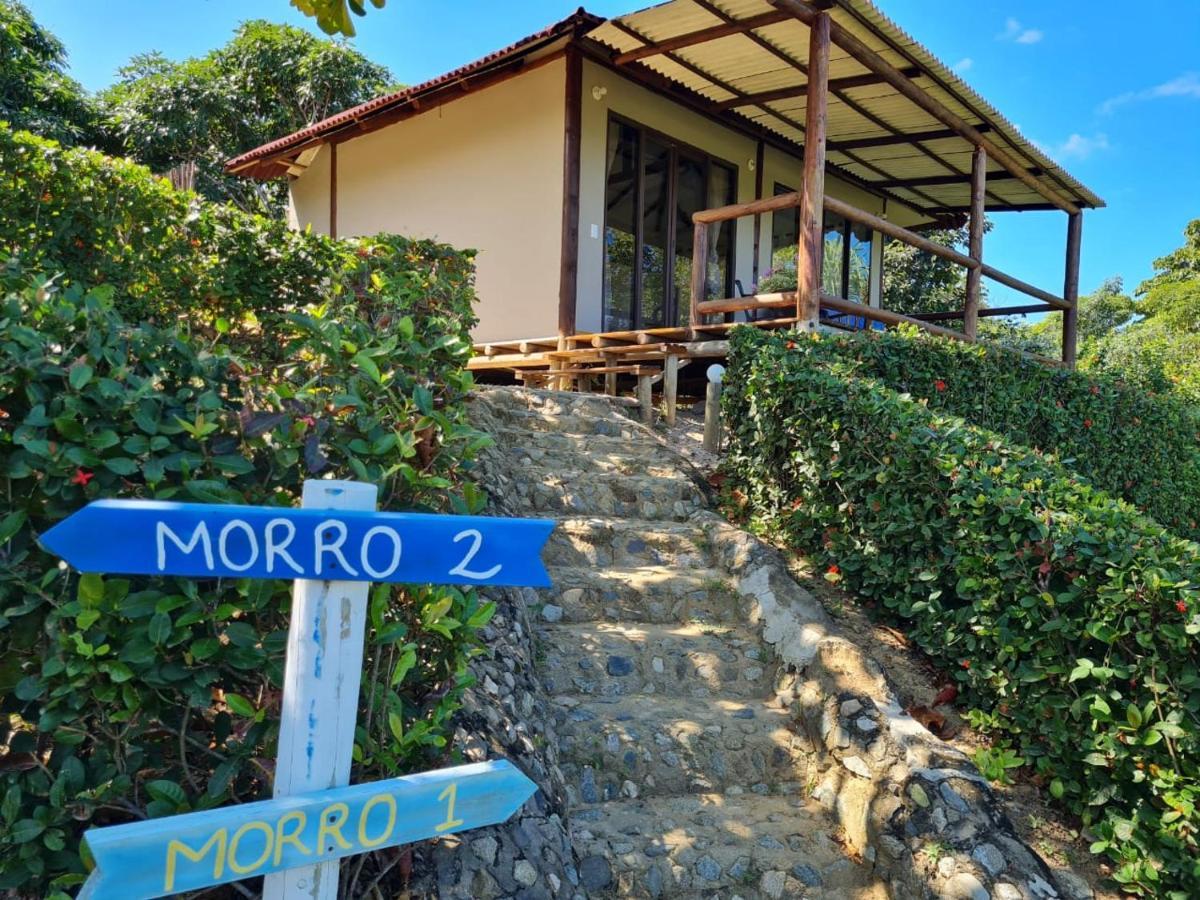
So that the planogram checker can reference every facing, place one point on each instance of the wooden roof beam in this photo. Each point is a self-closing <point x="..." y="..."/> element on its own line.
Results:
<point x="799" y="90"/>
<point x="890" y="140"/>
<point x="807" y="13"/>
<point x="725" y="29"/>
<point x="941" y="180"/>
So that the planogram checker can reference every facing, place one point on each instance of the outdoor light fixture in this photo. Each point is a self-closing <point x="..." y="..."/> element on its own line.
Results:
<point x="598" y="92"/>
<point x="716" y="373"/>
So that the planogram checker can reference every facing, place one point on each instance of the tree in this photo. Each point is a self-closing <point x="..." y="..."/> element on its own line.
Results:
<point x="1157" y="343"/>
<point x="268" y="81"/>
<point x="35" y="92"/>
<point x="916" y="282"/>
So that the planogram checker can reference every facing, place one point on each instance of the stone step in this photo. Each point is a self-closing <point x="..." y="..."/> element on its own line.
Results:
<point x="650" y="745"/>
<point x="611" y="424"/>
<point x="644" y="594"/>
<point x="555" y="402"/>
<point x="578" y="450"/>
<point x="609" y="494"/>
<point x="716" y="845"/>
<point x="686" y="660"/>
<point x="604" y="542"/>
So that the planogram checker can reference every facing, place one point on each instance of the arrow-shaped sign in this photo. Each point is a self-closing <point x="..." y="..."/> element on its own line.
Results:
<point x="149" y="537"/>
<point x="197" y="850"/>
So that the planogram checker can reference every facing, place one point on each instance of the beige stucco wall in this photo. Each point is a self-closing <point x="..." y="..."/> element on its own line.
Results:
<point x="485" y="172"/>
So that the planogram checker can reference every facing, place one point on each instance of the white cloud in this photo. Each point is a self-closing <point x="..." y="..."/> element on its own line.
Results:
<point x="1016" y="32"/>
<point x="1186" y="85"/>
<point x="963" y="64"/>
<point x="1078" y="146"/>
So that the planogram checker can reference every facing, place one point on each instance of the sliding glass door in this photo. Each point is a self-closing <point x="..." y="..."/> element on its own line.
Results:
<point x="653" y="186"/>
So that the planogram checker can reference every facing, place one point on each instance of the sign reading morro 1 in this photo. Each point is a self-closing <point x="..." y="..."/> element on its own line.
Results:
<point x="147" y="537"/>
<point x="331" y="546"/>
<point x="198" y="850"/>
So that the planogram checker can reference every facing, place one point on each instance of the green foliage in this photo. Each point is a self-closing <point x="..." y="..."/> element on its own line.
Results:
<point x="1158" y="345"/>
<point x="35" y="91"/>
<point x="222" y="274"/>
<point x="1133" y="443"/>
<point x="126" y="698"/>
<point x="333" y="16"/>
<point x="1068" y="617"/>
<point x="915" y="281"/>
<point x="268" y="81"/>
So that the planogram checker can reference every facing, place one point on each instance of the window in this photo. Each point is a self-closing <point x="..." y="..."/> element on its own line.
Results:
<point x="653" y="185"/>
<point x="846" y="267"/>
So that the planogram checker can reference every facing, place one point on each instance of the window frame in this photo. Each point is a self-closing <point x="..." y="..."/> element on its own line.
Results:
<point x="674" y="145"/>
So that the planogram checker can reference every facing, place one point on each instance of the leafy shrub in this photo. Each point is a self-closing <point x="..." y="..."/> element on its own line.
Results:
<point x="132" y="697"/>
<point x="169" y="256"/>
<point x="1125" y="439"/>
<point x="1068" y="617"/>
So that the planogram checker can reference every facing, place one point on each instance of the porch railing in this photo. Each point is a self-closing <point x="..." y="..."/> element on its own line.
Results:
<point x="808" y="308"/>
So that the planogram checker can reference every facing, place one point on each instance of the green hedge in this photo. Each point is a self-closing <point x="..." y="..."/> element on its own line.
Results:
<point x="122" y="698"/>
<point x="1068" y="617"/>
<point x="1133" y="443"/>
<point x="170" y="256"/>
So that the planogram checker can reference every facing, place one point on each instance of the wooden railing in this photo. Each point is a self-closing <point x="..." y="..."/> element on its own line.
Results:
<point x="793" y="300"/>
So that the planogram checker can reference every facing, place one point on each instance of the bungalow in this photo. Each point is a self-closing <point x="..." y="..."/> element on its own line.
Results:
<point x="628" y="182"/>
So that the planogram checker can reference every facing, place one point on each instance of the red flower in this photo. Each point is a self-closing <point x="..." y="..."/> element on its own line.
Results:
<point x="82" y="477"/>
<point x="940" y="385"/>
<point x="966" y="664"/>
<point x="833" y="570"/>
<point x="791" y="345"/>
<point x="1087" y="423"/>
<point x="1181" y="606"/>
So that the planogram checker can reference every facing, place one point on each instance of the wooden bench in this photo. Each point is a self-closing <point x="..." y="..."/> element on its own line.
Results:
<point x="646" y="376"/>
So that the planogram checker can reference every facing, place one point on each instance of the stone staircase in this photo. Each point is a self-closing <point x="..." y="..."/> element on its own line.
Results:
<point x="686" y="775"/>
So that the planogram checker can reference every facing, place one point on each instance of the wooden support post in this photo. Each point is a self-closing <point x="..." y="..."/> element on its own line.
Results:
<point x="1071" y="288"/>
<point x="975" y="243"/>
<point x="811" y="249"/>
<point x="671" y="386"/>
<point x="712" y="417"/>
<point x="569" y="262"/>
<point x="610" y="378"/>
<point x="645" y="396"/>
<point x="699" y="270"/>
<point x="333" y="190"/>
<point x="320" y="689"/>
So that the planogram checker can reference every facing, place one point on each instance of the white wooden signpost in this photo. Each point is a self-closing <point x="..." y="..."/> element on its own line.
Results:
<point x="334" y="545"/>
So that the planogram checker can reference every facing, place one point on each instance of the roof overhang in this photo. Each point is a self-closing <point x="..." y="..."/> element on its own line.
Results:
<point x="290" y="155"/>
<point x="749" y="58"/>
<point x="745" y="62"/>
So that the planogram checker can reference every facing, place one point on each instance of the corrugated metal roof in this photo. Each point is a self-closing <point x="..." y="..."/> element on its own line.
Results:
<point x="734" y="66"/>
<point x="725" y="67"/>
<point x="257" y="163"/>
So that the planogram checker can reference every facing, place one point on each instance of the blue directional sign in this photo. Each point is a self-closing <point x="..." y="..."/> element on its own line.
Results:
<point x="147" y="537"/>
<point x="188" y="852"/>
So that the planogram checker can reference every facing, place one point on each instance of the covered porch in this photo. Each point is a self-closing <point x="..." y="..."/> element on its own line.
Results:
<point x="842" y="87"/>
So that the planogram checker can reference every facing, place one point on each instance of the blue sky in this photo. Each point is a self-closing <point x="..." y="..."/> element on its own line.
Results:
<point x="1111" y="91"/>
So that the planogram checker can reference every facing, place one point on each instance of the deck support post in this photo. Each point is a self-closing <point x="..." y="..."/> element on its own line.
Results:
<point x="712" y="416"/>
<point x="975" y="243"/>
<point x="1071" y="288"/>
<point x="670" y="386"/>
<point x="810" y="252"/>
<point x="644" y="388"/>
<point x="610" y="378"/>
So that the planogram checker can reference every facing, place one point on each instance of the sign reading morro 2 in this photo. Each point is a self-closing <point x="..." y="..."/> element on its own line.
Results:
<point x="331" y="547"/>
<point x="148" y="537"/>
